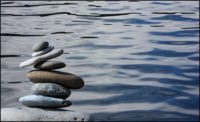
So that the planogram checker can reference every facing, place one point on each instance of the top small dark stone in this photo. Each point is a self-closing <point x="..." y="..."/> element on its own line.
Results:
<point x="40" y="46"/>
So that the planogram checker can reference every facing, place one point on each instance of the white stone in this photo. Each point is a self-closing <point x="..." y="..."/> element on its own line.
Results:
<point x="36" y="114"/>
<point x="46" y="50"/>
<point x="54" y="53"/>
<point x="43" y="101"/>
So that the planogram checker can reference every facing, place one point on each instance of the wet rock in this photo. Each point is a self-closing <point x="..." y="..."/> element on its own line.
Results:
<point x="64" y="79"/>
<point x="51" y="90"/>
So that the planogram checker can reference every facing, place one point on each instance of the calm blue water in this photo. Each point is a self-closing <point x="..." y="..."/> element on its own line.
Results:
<point x="139" y="60"/>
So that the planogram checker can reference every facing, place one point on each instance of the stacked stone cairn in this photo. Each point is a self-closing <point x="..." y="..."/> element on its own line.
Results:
<point x="51" y="87"/>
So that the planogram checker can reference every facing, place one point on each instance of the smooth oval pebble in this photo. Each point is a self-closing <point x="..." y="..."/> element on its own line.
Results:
<point x="37" y="114"/>
<point x="54" y="53"/>
<point x="51" y="90"/>
<point x="40" y="46"/>
<point x="64" y="79"/>
<point x="48" y="65"/>
<point x="43" y="101"/>
<point x="42" y="52"/>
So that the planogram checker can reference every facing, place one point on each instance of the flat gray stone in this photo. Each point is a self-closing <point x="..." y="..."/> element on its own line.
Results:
<point x="54" y="53"/>
<point x="49" y="65"/>
<point x="43" y="101"/>
<point x="51" y="90"/>
<point x="36" y="114"/>
<point x="42" y="52"/>
<point x="40" y="46"/>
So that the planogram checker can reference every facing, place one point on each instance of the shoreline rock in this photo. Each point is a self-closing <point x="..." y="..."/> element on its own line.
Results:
<point x="37" y="114"/>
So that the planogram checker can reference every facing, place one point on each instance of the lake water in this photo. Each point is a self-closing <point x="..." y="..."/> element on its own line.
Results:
<point x="139" y="60"/>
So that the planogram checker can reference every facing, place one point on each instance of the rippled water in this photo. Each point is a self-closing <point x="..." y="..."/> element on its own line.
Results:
<point x="139" y="60"/>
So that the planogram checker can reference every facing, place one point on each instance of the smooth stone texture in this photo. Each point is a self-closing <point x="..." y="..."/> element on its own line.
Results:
<point x="42" y="52"/>
<point x="36" y="114"/>
<point x="40" y="46"/>
<point x="48" y="65"/>
<point x="43" y="101"/>
<point x="64" y="79"/>
<point x="51" y="90"/>
<point x="54" y="53"/>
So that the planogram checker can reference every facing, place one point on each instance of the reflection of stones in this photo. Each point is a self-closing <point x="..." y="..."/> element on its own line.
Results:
<point x="40" y="46"/>
<point x="47" y="65"/>
<point x="65" y="79"/>
<point x="51" y="90"/>
<point x="42" y="52"/>
<point x="35" y="114"/>
<point x="44" y="101"/>
<point x="54" y="53"/>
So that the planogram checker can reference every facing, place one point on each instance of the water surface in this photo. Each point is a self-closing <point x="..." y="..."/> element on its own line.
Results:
<point x="139" y="60"/>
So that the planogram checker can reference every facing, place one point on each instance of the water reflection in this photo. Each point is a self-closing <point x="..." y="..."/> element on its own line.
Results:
<point x="144" y="115"/>
<point x="180" y="33"/>
<point x="131" y="21"/>
<point x="175" y="18"/>
<point x="165" y="42"/>
<point x="165" y="53"/>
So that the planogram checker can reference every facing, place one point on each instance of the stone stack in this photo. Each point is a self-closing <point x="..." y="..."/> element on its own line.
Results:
<point x="51" y="87"/>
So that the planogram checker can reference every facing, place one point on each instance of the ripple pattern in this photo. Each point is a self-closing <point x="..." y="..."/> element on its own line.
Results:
<point x="139" y="60"/>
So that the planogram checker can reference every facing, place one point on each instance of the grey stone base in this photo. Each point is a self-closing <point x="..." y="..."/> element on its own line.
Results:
<point x="36" y="114"/>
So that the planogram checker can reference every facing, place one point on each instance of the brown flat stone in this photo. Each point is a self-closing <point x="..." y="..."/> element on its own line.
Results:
<point x="48" y="65"/>
<point x="64" y="79"/>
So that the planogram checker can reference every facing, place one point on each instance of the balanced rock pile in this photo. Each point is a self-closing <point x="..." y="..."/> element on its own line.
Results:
<point x="51" y="87"/>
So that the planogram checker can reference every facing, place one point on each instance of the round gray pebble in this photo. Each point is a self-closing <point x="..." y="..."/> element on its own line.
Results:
<point x="40" y="46"/>
<point x="51" y="90"/>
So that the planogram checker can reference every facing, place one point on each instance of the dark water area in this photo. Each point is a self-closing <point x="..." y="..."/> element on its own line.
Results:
<point x="139" y="60"/>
